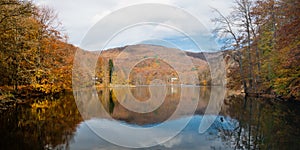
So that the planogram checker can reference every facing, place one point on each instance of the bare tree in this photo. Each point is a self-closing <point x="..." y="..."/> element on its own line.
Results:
<point x="239" y="31"/>
<point x="232" y="40"/>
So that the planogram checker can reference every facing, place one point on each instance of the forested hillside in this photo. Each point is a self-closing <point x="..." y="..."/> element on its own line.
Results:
<point x="148" y="66"/>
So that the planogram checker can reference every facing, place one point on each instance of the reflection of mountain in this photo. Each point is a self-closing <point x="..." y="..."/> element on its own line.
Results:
<point x="148" y="62"/>
<point x="122" y="99"/>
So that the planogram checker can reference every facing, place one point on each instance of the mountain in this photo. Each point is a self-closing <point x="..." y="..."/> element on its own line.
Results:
<point x="141" y="64"/>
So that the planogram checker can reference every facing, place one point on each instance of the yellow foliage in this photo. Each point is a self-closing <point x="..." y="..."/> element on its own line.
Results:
<point x="204" y="82"/>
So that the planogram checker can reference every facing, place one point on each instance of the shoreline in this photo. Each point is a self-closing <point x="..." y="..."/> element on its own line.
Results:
<point x="10" y="101"/>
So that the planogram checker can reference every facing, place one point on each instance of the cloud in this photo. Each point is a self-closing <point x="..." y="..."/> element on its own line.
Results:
<point x="79" y="16"/>
<point x="189" y="138"/>
<point x="173" y="142"/>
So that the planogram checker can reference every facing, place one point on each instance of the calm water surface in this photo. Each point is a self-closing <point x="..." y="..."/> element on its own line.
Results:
<point x="243" y="123"/>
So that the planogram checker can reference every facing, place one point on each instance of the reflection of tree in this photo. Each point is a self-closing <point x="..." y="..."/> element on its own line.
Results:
<point x="111" y="102"/>
<point x="40" y="127"/>
<point x="262" y="125"/>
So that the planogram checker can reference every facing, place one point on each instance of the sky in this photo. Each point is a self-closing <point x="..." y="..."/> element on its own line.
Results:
<point x="89" y="22"/>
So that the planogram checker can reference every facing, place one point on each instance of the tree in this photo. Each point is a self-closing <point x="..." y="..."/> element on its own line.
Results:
<point x="237" y="31"/>
<point x="279" y="41"/>
<point x="49" y="47"/>
<point x="243" y="19"/>
<point x="111" y="69"/>
<point x="33" y="52"/>
<point x="265" y="34"/>
<point x="16" y="40"/>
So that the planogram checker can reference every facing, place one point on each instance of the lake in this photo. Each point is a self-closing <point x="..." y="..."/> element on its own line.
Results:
<point x="159" y="117"/>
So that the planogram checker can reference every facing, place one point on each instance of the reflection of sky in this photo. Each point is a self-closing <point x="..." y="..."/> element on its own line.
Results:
<point x="189" y="138"/>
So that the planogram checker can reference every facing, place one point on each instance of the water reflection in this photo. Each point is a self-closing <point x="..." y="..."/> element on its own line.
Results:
<point x="263" y="124"/>
<point x="189" y="95"/>
<point x="243" y="123"/>
<point x="188" y="139"/>
<point x="40" y="127"/>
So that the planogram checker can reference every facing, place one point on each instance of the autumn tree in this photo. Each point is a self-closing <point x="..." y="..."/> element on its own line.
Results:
<point x="49" y="52"/>
<point x="266" y="32"/>
<point x="238" y="32"/>
<point x="17" y="40"/>
<point x="287" y="48"/>
<point x="34" y="52"/>
<point x="279" y="43"/>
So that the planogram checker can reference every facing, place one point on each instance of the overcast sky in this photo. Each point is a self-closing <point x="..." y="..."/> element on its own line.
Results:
<point x="79" y="16"/>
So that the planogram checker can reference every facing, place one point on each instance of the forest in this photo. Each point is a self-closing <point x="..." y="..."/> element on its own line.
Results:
<point x="34" y="56"/>
<point x="263" y="35"/>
